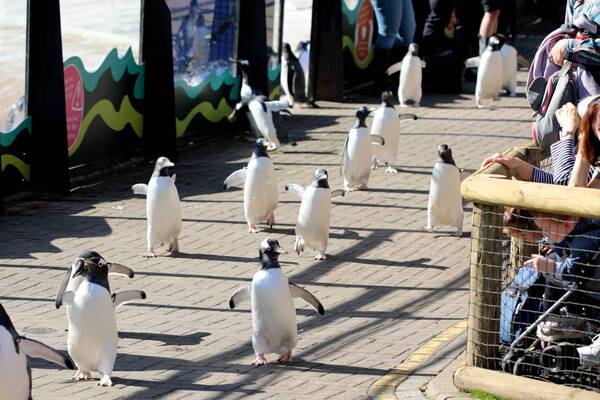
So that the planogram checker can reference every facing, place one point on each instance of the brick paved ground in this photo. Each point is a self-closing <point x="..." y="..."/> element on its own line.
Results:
<point x="387" y="286"/>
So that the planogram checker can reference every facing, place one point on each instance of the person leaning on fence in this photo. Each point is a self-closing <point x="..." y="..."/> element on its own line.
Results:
<point x="589" y="147"/>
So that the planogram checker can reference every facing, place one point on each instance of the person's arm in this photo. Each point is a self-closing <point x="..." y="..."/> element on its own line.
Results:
<point x="563" y="159"/>
<point x="517" y="167"/>
<point x="580" y="173"/>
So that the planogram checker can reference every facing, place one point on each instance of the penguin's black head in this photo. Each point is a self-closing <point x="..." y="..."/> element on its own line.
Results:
<point x="162" y="167"/>
<point x="387" y="99"/>
<point x="93" y="267"/>
<point x="244" y="65"/>
<point x="287" y="50"/>
<point x="320" y="179"/>
<point x="260" y="148"/>
<point x="361" y="115"/>
<point x="413" y="49"/>
<point x="268" y="252"/>
<point x="302" y="45"/>
<point x="495" y="43"/>
<point x="445" y="154"/>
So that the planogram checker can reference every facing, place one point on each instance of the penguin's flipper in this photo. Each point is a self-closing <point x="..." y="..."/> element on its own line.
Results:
<point x="307" y="296"/>
<point x="286" y="112"/>
<point x="127" y="296"/>
<point x="337" y="193"/>
<point x="297" y="189"/>
<point x="344" y="155"/>
<point x="394" y="68"/>
<point x="239" y="296"/>
<point x="236" y="179"/>
<point x="68" y="298"/>
<point x="472" y="62"/>
<point x="36" y="349"/>
<point x="140" y="188"/>
<point x="404" y="116"/>
<point x="275" y="106"/>
<point x="63" y="287"/>
<point x="173" y="177"/>
<point x="118" y="269"/>
<point x="376" y="139"/>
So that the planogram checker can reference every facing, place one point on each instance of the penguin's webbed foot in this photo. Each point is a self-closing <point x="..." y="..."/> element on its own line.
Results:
<point x="374" y="165"/>
<point x="457" y="233"/>
<point x="82" y="375"/>
<point x="253" y="229"/>
<point x="321" y="256"/>
<point x="149" y="254"/>
<point x="272" y="146"/>
<point x="391" y="170"/>
<point x="427" y="229"/>
<point x="105" y="381"/>
<point x="174" y="247"/>
<point x="271" y="220"/>
<point x="285" y="358"/>
<point x="260" y="360"/>
<point x="299" y="245"/>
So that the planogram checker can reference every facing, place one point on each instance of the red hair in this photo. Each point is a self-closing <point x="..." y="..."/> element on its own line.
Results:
<point x="589" y="144"/>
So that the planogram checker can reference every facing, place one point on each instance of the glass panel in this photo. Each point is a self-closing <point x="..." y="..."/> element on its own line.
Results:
<point x="13" y="31"/>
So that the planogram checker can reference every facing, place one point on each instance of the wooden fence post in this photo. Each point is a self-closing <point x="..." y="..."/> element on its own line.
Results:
<point x="45" y="90"/>
<point x="485" y="286"/>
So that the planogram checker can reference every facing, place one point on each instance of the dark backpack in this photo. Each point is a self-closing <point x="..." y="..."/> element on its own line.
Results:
<point x="547" y="96"/>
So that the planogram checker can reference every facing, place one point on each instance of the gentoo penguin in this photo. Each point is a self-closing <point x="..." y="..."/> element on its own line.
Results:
<point x="490" y="73"/>
<point x="260" y="187"/>
<point x="92" y="338"/>
<point x="303" y="55"/>
<point x="260" y="115"/>
<point x="445" y="201"/>
<point x="411" y="76"/>
<point x="358" y="153"/>
<point x="386" y="123"/>
<point x="292" y="78"/>
<point x="314" y="216"/>
<point x="71" y="283"/>
<point x="274" y="328"/>
<point x="246" y="91"/>
<point x="15" y="371"/>
<point x="509" y="68"/>
<point x="163" y="210"/>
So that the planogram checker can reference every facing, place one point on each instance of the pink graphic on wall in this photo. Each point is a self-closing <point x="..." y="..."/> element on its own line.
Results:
<point x="363" y="33"/>
<point x="73" y="102"/>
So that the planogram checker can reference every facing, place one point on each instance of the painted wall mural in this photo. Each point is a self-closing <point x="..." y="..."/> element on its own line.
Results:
<point x="15" y="158"/>
<point x="359" y="33"/>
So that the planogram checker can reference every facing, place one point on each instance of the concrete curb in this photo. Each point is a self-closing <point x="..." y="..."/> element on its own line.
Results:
<point x="442" y="386"/>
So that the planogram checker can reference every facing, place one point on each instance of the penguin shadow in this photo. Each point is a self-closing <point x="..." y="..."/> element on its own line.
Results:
<point x="330" y="152"/>
<point x="465" y="235"/>
<point x="409" y="191"/>
<point x="214" y="257"/>
<point x="300" y="364"/>
<point x="191" y="339"/>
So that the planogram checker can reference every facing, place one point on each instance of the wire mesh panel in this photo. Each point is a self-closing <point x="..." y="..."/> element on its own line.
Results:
<point x="535" y="295"/>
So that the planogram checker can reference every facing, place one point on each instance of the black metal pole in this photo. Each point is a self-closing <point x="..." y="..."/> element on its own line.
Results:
<point x="160" y="134"/>
<point x="252" y="41"/>
<point x="326" y="59"/>
<point x="45" y="89"/>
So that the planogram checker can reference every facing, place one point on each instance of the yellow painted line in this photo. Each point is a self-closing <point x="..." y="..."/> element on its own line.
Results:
<point x="385" y="387"/>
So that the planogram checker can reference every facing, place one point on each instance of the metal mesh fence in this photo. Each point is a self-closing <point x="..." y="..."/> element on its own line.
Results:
<point x="535" y="295"/>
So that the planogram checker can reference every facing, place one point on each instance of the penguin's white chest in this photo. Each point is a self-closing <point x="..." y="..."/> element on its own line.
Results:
<point x="14" y="379"/>
<point x="509" y="67"/>
<point x="387" y="125"/>
<point x="445" y="201"/>
<point x="411" y="77"/>
<point x="263" y="121"/>
<point x="357" y="164"/>
<point x="314" y="217"/>
<point x="260" y="190"/>
<point x="92" y="340"/>
<point x="489" y="75"/>
<point x="163" y="209"/>
<point x="245" y="92"/>
<point x="273" y="313"/>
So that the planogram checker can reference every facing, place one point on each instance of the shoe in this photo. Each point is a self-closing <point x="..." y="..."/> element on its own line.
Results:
<point x="590" y="355"/>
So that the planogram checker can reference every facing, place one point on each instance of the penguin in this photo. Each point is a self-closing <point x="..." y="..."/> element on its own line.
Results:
<point x="303" y="55"/>
<point x="92" y="338"/>
<point x="292" y="78"/>
<point x="71" y="283"/>
<point x="386" y="123"/>
<point x="260" y="187"/>
<point x="314" y="216"/>
<point x="246" y="91"/>
<point x="509" y="69"/>
<point x="445" y="201"/>
<point x="260" y="115"/>
<point x="358" y="153"/>
<point x="15" y="370"/>
<point x="163" y="210"/>
<point x="490" y="74"/>
<point x="271" y="295"/>
<point x="411" y="76"/>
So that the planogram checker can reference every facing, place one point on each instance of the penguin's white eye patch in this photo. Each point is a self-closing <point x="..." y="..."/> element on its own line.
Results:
<point x="102" y="263"/>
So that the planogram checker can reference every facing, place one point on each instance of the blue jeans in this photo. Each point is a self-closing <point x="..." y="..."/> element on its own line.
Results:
<point x="395" y="22"/>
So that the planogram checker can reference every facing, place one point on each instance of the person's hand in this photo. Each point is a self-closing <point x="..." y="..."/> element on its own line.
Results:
<point x="541" y="264"/>
<point x="508" y="161"/>
<point x="557" y="54"/>
<point x="568" y="119"/>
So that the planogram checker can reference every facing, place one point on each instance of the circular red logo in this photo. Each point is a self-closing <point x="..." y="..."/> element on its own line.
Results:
<point x="363" y="33"/>
<point x="73" y="102"/>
